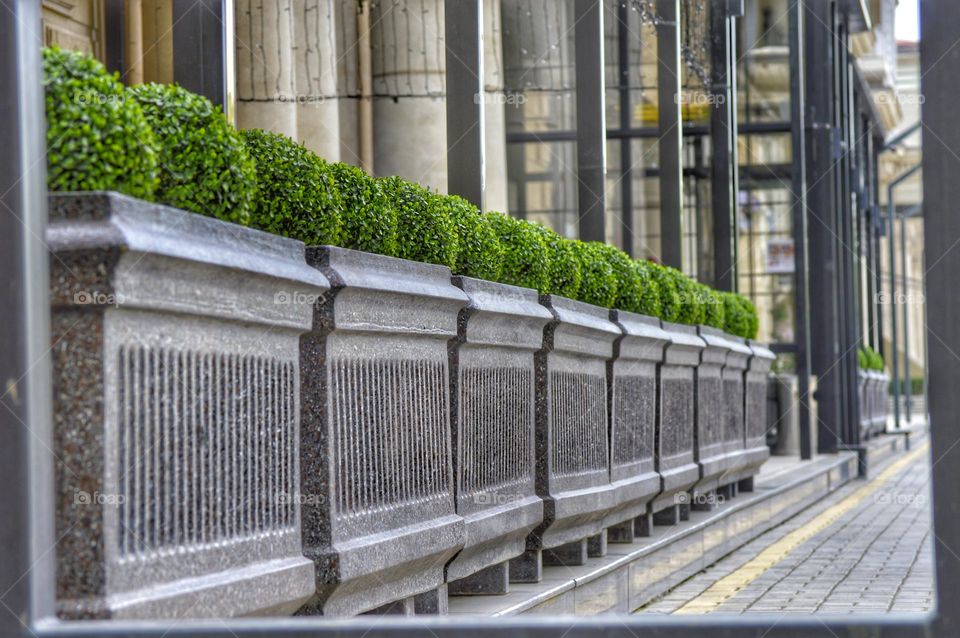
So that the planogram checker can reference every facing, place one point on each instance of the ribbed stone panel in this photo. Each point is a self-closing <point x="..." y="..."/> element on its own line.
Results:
<point x="492" y="421"/>
<point x="755" y="407"/>
<point x="176" y="411"/>
<point x="632" y="375"/>
<point x="378" y="507"/>
<point x="572" y="426"/>
<point x="676" y="418"/>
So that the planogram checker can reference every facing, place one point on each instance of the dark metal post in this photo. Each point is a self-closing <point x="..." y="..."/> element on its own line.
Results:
<point x="939" y="60"/>
<point x="626" y="144"/>
<point x="824" y="335"/>
<point x="799" y="205"/>
<point x="723" y="127"/>
<point x="671" y="133"/>
<point x="198" y="48"/>
<point x="591" y="119"/>
<point x="466" y="170"/>
<point x="849" y="300"/>
<point x="26" y="466"/>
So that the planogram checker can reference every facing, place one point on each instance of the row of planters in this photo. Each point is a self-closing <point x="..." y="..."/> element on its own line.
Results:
<point x="424" y="398"/>
<point x="872" y="392"/>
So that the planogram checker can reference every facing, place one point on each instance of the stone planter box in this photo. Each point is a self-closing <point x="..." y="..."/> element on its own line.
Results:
<point x="176" y="411"/>
<point x="379" y="520"/>
<point x="632" y="376"/>
<point x="865" y="401"/>
<point x="743" y="443"/>
<point x="676" y="416"/>
<point x="572" y="434"/>
<point x="877" y="385"/>
<point x="492" y="420"/>
<point x="719" y="432"/>
<point x="755" y="411"/>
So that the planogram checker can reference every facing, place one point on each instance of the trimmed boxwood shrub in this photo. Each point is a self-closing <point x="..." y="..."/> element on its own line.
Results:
<point x="297" y="196"/>
<point x="526" y="261"/>
<point x="649" y="291"/>
<point x="869" y="359"/>
<point x="741" y="315"/>
<point x="369" y="218"/>
<point x="425" y="228"/>
<point x="599" y="284"/>
<point x="692" y="309"/>
<point x="564" y="275"/>
<point x="669" y="295"/>
<point x="629" y="294"/>
<point x="204" y="165"/>
<point x="97" y="138"/>
<point x="714" y="308"/>
<point x="479" y="253"/>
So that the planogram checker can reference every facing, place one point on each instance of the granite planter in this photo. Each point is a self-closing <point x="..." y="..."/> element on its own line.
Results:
<point x="878" y="401"/>
<point x="719" y="431"/>
<point x="572" y="436"/>
<point x="755" y="412"/>
<point x="492" y="421"/>
<point x="379" y="519"/>
<point x="865" y="401"/>
<point x="676" y="418"/>
<point x="176" y="411"/>
<point x="632" y="378"/>
<point x="743" y="449"/>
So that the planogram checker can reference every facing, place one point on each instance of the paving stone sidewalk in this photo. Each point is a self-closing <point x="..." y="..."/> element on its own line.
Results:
<point x="877" y="557"/>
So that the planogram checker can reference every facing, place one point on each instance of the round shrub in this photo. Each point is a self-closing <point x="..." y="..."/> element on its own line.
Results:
<point x="97" y="139"/>
<point x="369" y="219"/>
<point x="479" y="253"/>
<point x="649" y="291"/>
<point x="669" y="295"/>
<point x="629" y="292"/>
<point x="863" y="359"/>
<point x="526" y="261"/>
<point x="740" y="316"/>
<point x="297" y="197"/>
<point x="204" y="165"/>
<point x="425" y="228"/>
<point x="599" y="284"/>
<point x="714" y="308"/>
<point x="564" y="276"/>
<point x="692" y="310"/>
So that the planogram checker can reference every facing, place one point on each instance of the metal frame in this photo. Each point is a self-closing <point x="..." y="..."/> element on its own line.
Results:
<point x="670" y="145"/>
<point x="591" y="119"/>
<point x="26" y="569"/>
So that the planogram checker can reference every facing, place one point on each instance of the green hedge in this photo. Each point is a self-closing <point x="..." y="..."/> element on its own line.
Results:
<point x="368" y="216"/>
<point x="526" y="259"/>
<point x="204" y="165"/>
<point x="479" y="252"/>
<point x="97" y="138"/>
<point x="599" y="280"/>
<point x="869" y="359"/>
<point x="297" y="196"/>
<point x="165" y="142"/>
<point x="425" y="227"/>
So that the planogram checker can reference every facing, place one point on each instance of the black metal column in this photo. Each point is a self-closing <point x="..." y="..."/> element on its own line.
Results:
<point x="939" y="61"/>
<point x="822" y="229"/>
<point x="198" y="48"/>
<point x="591" y="119"/>
<point x="800" y="233"/>
<point x="463" y="24"/>
<point x="626" y="157"/>
<point x="26" y="466"/>
<point x="723" y="127"/>
<point x="671" y="133"/>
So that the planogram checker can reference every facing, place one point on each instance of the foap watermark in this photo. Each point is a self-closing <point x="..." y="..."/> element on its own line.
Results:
<point x="300" y="99"/>
<point x="297" y="298"/>
<point x="888" y="498"/>
<point x="500" y="98"/>
<point x="298" y="498"/>
<point x="707" y="498"/>
<point x="900" y="298"/>
<point x="82" y="497"/>
<point x="495" y="498"/>
<point x="97" y="298"/>
<point x="699" y="99"/>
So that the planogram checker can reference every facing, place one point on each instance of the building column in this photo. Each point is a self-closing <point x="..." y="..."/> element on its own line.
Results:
<point x="265" y="72"/>
<point x="315" y="69"/>
<point x="409" y="107"/>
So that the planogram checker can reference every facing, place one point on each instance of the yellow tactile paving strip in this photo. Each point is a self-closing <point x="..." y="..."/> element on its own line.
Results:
<point x="728" y="586"/>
